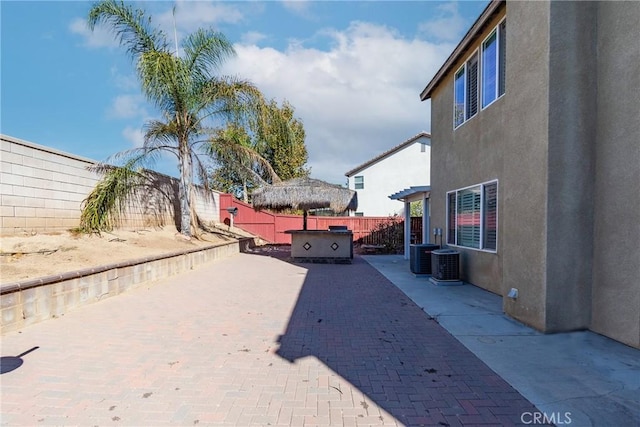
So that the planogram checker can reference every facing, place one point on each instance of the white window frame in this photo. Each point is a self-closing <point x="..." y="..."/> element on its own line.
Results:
<point x="356" y="183"/>
<point x="482" y="217"/>
<point x="497" y="31"/>
<point x="464" y="95"/>
<point x="480" y="77"/>
<point x="465" y="90"/>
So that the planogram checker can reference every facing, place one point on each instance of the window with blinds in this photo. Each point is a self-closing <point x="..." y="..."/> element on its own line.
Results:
<point x="472" y="214"/>
<point x="451" y="218"/>
<point x="468" y="217"/>
<point x="472" y="87"/>
<point x="465" y="104"/>
<point x="458" y="103"/>
<point x="493" y="64"/>
<point x="502" y="55"/>
<point x="490" y="216"/>
<point x="482" y="78"/>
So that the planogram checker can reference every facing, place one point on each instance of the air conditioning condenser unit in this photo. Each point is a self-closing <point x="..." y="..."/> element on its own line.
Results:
<point x="445" y="267"/>
<point x="420" y="258"/>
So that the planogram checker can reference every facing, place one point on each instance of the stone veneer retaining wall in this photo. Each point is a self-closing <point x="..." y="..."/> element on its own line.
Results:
<point x="42" y="189"/>
<point x="27" y="302"/>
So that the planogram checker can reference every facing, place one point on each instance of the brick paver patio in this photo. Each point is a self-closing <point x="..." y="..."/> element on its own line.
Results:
<point x="253" y="340"/>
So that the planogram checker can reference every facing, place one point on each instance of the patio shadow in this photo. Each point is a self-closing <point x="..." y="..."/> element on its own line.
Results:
<point x="373" y="336"/>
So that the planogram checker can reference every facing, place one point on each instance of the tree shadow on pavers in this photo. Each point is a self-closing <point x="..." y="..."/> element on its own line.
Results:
<point x="372" y="335"/>
<point x="11" y="363"/>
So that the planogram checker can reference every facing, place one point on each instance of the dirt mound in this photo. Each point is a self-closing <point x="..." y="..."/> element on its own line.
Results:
<point x="31" y="256"/>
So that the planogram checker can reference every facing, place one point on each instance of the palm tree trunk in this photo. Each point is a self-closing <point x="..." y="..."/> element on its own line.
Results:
<point x="186" y="172"/>
<point x="245" y="196"/>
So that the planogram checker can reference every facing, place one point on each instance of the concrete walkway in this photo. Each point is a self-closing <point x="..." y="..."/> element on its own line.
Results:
<point x="580" y="377"/>
<point x="253" y="340"/>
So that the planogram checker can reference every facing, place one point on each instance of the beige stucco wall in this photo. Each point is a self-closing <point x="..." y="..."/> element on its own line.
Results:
<point x="571" y="163"/>
<point x="470" y="155"/>
<point x="525" y="183"/>
<point x="616" y="259"/>
<point x="563" y="144"/>
<point x="42" y="189"/>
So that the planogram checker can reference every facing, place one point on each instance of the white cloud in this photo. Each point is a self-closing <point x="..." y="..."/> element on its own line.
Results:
<point x="127" y="107"/>
<point x="299" y="7"/>
<point x="190" y="15"/>
<point x="449" y="25"/>
<point x="126" y="82"/>
<point x="134" y="136"/>
<point x="252" y="37"/>
<point x="356" y="100"/>
<point x="99" y="37"/>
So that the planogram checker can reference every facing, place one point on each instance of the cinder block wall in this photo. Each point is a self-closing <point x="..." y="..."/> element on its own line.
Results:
<point x="42" y="189"/>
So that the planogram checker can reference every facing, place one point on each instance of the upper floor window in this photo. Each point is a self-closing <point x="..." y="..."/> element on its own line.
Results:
<point x="358" y="182"/>
<point x="466" y="91"/>
<point x="493" y="65"/>
<point x="482" y="77"/>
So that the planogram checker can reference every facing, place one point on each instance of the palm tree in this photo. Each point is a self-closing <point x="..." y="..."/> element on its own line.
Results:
<point x="184" y="87"/>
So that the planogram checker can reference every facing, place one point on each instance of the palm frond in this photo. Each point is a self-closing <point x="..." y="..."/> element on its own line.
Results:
<point x="157" y="131"/>
<point x="136" y="158"/>
<point x="228" y="148"/>
<point x="102" y="208"/>
<point x="163" y="82"/>
<point x="201" y="171"/>
<point x="229" y="98"/>
<point x="206" y="51"/>
<point x="131" y="27"/>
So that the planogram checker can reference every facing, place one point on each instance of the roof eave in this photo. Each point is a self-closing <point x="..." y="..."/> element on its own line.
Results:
<point x="387" y="153"/>
<point x="468" y="38"/>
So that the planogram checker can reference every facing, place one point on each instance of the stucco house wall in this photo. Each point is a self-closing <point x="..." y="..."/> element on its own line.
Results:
<point x="472" y="154"/>
<point x="563" y="145"/>
<point x="616" y="235"/>
<point x="403" y="166"/>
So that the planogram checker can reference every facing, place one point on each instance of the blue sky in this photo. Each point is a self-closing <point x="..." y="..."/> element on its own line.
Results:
<point x="353" y="71"/>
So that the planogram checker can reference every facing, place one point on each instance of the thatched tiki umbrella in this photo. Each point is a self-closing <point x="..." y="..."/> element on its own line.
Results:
<point x="304" y="194"/>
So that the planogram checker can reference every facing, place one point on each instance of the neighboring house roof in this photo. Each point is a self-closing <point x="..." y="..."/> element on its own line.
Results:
<point x="388" y="153"/>
<point x="492" y="8"/>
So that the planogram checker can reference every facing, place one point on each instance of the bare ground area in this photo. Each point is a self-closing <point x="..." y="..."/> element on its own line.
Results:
<point x="31" y="256"/>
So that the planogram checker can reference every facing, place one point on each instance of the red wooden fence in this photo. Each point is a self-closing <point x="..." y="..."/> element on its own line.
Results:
<point x="271" y="227"/>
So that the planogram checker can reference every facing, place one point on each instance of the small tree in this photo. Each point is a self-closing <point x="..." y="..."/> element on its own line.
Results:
<point x="282" y="144"/>
<point x="416" y="208"/>
<point x="279" y="139"/>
